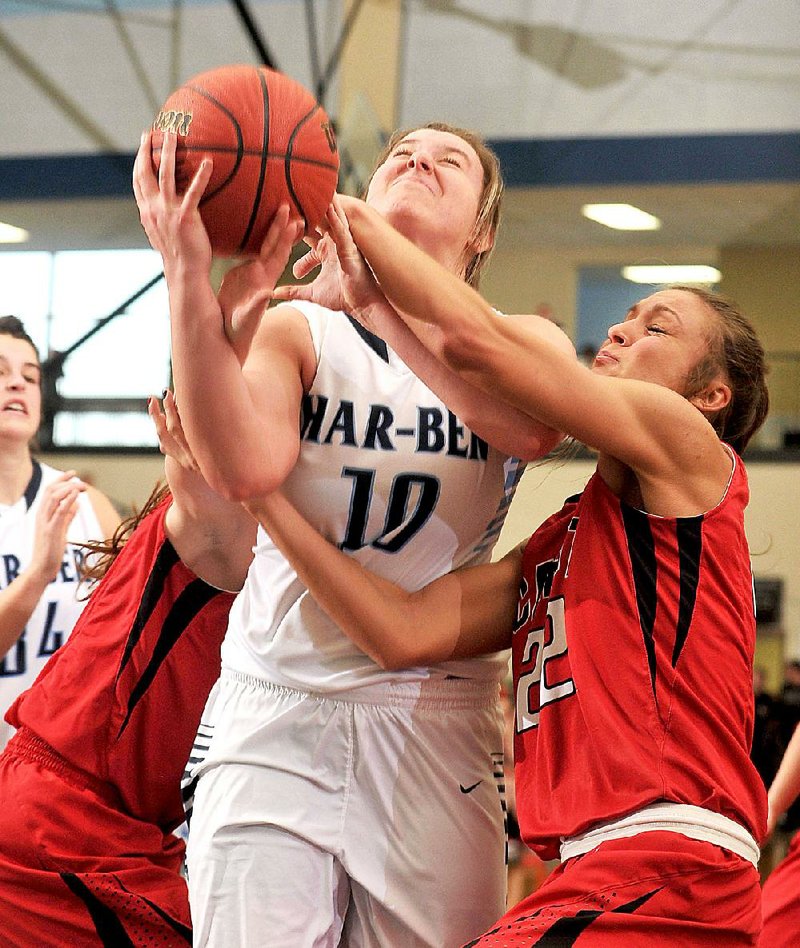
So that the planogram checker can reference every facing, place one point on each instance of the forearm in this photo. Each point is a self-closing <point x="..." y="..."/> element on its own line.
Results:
<point x="459" y="615"/>
<point x="17" y="602"/>
<point x="785" y="788"/>
<point x="222" y="420"/>
<point x="504" y="427"/>
<point x="371" y="611"/>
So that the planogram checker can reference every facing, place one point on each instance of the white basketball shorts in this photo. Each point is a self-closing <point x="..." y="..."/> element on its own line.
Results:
<point x="375" y="818"/>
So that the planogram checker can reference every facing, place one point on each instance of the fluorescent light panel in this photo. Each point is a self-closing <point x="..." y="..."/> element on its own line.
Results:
<point x="621" y="216"/>
<point x="687" y="273"/>
<point x="12" y="235"/>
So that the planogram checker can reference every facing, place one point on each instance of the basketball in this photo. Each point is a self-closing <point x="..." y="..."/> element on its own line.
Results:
<point x="271" y="144"/>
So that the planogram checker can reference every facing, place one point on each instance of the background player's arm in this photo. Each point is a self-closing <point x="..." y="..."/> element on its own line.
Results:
<point x="240" y="419"/>
<point x="346" y="282"/>
<point x="214" y="537"/>
<point x="680" y="463"/>
<point x="104" y="510"/>
<point x="58" y="506"/>
<point x="785" y="788"/>
<point x="465" y="613"/>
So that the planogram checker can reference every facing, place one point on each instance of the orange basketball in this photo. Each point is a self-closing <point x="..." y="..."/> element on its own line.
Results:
<point x="271" y="143"/>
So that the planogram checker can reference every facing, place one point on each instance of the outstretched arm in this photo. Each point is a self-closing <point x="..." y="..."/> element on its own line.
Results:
<point x="785" y="788"/>
<point x="648" y="427"/>
<point x="346" y="282"/>
<point x="241" y="419"/>
<point x="18" y="600"/>
<point x="462" y="614"/>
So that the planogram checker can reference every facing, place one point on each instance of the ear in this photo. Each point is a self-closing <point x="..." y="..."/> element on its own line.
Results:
<point x="483" y="243"/>
<point x="713" y="397"/>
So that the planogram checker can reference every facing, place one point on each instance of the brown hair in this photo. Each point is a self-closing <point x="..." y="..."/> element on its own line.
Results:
<point x="488" y="219"/>
<point x="13" y="326"/>
<point x="102" y="553"/>
<point x="737" y="351"/>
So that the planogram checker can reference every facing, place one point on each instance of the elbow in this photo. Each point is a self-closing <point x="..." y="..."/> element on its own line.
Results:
<point x="249" y="480"/>
<point x="400" y="645"/>
<point x="397" y="659"/>
<point x="538" y="442"/>
<point x="239" y="487"/>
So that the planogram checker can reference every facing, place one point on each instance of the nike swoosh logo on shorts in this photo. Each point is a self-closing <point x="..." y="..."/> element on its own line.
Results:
<point x="470" y="788"/>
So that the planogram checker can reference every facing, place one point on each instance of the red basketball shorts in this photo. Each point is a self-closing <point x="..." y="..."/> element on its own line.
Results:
<point x="781" y="902"/>
<point x="76" y="871"/>
<point x="654" y="890"/>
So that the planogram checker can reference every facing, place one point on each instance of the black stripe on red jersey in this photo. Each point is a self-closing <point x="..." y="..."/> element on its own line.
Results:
<point x="33" y="485"/>
<point x="642" y="551"/>
<point x="188" y="604"/>
<point x="165" y="560"/>
<point x="107" y="923"/>
<point x="690" y="549"/>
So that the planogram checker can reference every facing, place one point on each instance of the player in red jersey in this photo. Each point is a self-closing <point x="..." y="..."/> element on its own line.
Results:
<point x="781" y="894"/>
<point x="632" y="607"/>
<point x="90" y="783"/>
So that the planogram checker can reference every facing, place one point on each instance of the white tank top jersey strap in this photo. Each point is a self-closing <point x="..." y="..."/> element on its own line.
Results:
<point x="58" y="610"/>
<point x="390" y="475"/>
<point x="692" y="821"/>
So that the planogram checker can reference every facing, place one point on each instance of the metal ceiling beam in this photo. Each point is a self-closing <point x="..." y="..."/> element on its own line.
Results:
<point x="253" y="32"/>
<point x="71" y="109"/>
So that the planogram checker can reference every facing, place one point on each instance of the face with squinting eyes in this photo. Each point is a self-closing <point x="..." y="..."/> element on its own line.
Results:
<point x="662" y="339"/>
<point x="20" y="389"/>
<point x="430" y="188"/>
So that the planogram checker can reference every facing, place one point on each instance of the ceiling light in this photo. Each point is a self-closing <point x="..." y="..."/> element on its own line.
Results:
<point x="12" y="235"/>
<point x="688" y="273"/>
<point x="621" y="216"/>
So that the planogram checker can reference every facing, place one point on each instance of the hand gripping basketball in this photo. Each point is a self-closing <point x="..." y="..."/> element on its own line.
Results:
<point x="271" y="144"/>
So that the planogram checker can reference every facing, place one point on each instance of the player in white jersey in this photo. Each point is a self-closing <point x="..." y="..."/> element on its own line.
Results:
<point x="339" y="802"/>
<point x="43" y="513"/>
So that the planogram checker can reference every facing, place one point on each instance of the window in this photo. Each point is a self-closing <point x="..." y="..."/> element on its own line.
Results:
<point x="106" y="379"/>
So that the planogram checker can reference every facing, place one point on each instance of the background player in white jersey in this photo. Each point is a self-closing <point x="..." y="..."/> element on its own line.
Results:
<point x="43" y="514"/>
<point x="308" y="825"/>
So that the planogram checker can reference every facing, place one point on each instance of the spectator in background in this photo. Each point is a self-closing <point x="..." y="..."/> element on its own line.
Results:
<point x="44" y="515"/>
<point x="768" y="742"/>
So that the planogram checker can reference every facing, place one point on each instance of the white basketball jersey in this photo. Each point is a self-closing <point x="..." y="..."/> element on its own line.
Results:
<point x="58" y="609"/>
<point x="393" y="478"/>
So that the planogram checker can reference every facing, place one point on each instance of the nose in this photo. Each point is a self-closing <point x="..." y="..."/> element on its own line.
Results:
<point x="420" y="159"/>
<point x="618" y="333"/>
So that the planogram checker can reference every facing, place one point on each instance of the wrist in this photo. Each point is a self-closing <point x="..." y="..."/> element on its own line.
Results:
<point x="32" y="582"/>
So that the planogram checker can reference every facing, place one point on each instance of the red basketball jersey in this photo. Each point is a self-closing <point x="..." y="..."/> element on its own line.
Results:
<point x="632" y="659"/>
<point x="122" y="698"/>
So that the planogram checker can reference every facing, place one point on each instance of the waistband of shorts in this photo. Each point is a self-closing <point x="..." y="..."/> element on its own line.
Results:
<point x="26" y="745"/>
<point x="442" y="694"/>
<point x="695" y="822"/>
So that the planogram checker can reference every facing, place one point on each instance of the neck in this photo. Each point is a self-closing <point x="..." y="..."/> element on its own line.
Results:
<point x="16" y="468"/>
<point x="431" y="242"/>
